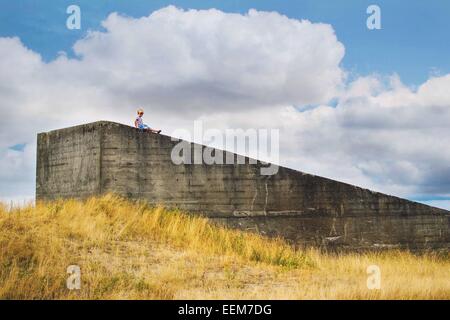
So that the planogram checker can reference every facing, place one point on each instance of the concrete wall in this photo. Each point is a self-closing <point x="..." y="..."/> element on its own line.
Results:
<point x="68" y="162"/>
<point x="311" y="210"/>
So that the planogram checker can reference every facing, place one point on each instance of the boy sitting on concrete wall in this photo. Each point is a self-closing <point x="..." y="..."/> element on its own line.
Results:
<point x="139" y="123"/>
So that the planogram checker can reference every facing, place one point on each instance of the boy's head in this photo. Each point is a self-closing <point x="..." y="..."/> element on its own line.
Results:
<point x="140" y="112"/>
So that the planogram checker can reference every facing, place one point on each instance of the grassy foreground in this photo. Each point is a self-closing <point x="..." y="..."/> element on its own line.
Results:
<point x="130" y="250"/>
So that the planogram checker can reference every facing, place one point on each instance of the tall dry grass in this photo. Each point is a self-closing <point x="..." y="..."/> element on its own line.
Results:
<point x="129" y="250"/>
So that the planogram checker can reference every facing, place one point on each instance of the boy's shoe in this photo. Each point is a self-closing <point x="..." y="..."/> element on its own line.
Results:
<point x="159" y="131"/>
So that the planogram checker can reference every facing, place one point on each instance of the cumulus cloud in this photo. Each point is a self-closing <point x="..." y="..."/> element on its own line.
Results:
<point x="381" y="134"/>
<point x="259" y="69"/>
<point x="196" y="61"/>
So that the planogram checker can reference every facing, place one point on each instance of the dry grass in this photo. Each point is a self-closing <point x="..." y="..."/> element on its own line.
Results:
<point x="133" y="251"/>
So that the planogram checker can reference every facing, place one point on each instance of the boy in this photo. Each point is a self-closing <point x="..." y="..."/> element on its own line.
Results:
<point x="139" y="123"/>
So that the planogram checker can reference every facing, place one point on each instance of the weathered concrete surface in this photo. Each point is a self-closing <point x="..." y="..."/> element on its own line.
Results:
<point x="310" y="210"/>
<point x="418" y="232"/>
<point x="68" y="162"/>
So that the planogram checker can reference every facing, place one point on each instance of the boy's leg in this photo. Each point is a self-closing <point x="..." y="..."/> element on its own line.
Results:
<point x="151" y="130"/>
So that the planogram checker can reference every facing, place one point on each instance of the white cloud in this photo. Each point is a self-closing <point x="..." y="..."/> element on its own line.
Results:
<point x="381" y="135"/>
<point x="232" y="70"/>
<point x="193" y="61"/>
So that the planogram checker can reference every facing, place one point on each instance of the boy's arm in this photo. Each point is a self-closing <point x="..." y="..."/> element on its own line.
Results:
<point x="135" y="123"/>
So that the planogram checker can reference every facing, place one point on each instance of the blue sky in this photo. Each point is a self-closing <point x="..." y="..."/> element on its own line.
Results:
<point x="414" y="41"/>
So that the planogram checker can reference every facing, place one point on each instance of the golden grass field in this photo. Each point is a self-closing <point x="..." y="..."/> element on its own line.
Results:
<point x="130" y="250"/>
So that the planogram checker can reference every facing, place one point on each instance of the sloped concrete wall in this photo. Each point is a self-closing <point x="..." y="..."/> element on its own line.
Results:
<point x="310" y="210"/>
